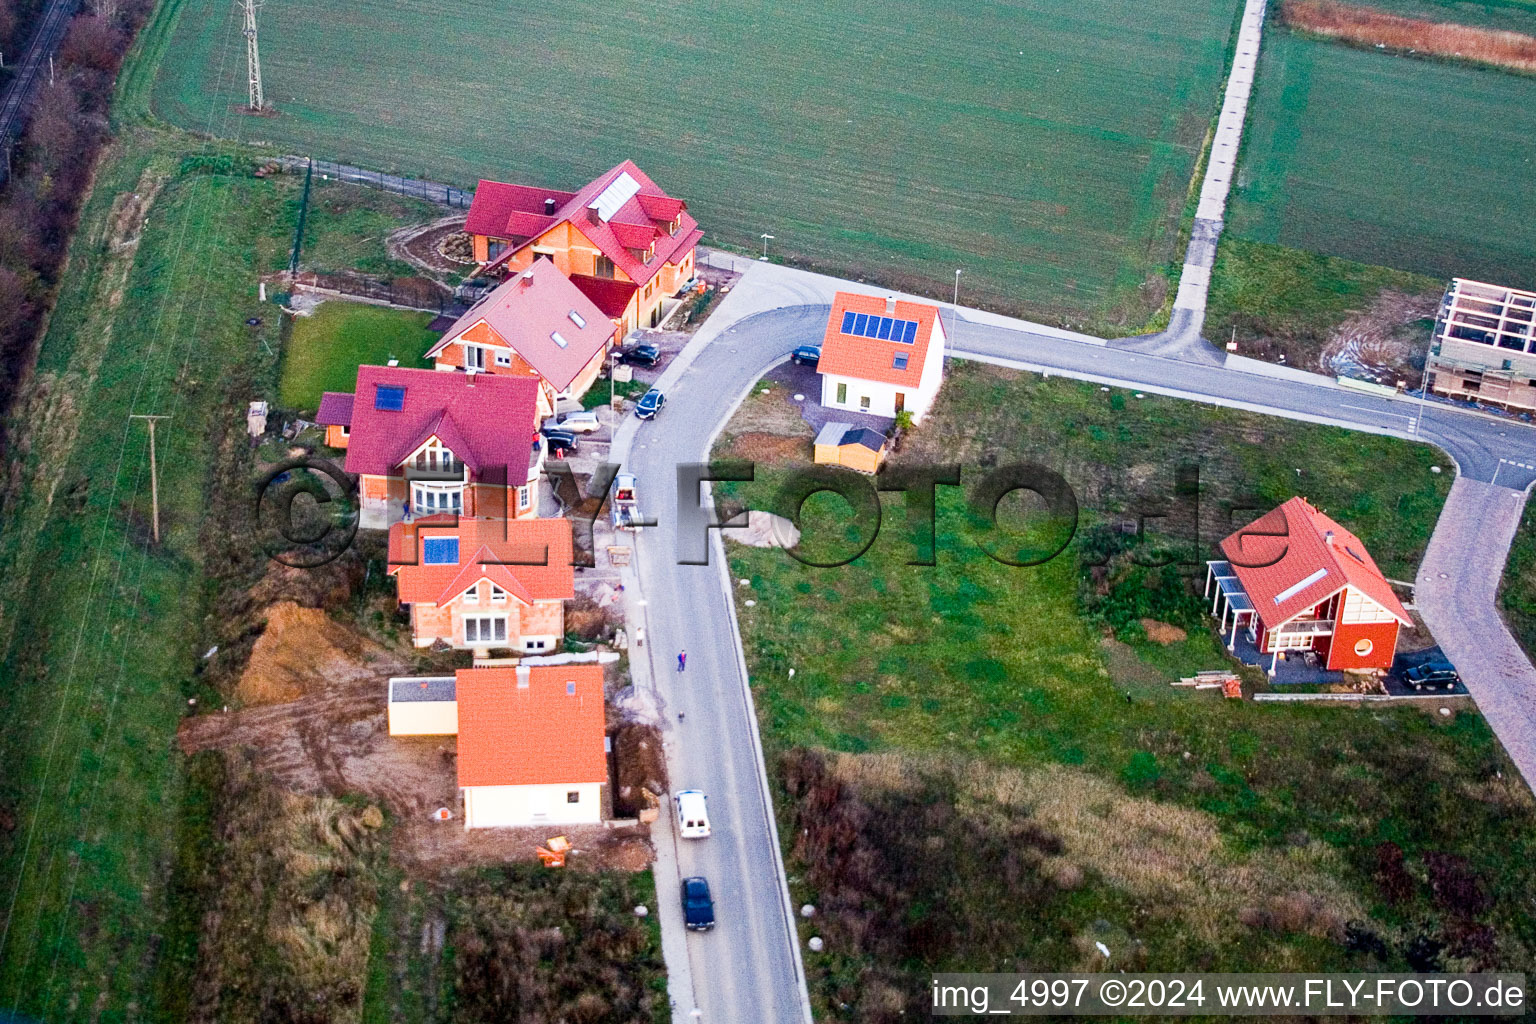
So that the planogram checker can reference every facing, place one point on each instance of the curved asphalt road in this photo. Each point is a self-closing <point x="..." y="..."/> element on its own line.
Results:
<point x="749" y="967"/>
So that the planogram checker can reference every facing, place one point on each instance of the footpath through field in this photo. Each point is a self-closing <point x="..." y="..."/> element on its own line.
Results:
<point x="1182" y="338"/>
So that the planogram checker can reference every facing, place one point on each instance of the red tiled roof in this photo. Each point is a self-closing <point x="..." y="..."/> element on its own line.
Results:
<point x="549" y="732"/>
<point x="608" y="294"/>
<point x="870" y="358"/>
<point x="526" y="311"/>
<point x="529" y="558"/>
<point x="496" y="202"/>
<point x="487" y="420"/>
<point x="1288" y="546"/>
<point x="335" y="409"/>
<point x="620" y="233"/>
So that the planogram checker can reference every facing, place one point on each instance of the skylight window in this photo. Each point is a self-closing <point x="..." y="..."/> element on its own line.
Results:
<point x="577" y="318"/>
<point x="899" y="361"/>
<point x="440" y="551"/>
<point x="558" y="339"/>
<point x="1296" y="588"/>
<point x="570" y="687"/>
<point x="389" y="399"/>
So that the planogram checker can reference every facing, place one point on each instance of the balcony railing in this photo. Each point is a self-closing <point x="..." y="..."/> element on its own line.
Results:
<point x="1305" y="627"/>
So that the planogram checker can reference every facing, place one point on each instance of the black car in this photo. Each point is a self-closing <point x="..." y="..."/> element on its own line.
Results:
<point x="1432" y="675"/>
<point x="806" y="355"/>
<point x="641" y="355"/>
<point x="650" y="404"/>
<point x="698" y="905"/>
<point x="560" y="442"/>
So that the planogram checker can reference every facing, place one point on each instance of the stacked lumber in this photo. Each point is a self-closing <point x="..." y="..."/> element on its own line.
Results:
<point x="1213" y="679"/>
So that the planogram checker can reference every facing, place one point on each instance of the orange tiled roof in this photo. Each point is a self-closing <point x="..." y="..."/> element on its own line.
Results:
<point x="548" y="732"/>
<point x="848" y="355"/>
<point x="498" y="550"/>
<point x="1288" y="546"/>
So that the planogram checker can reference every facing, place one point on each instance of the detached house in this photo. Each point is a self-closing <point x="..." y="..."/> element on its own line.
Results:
<point x="484" y="583"/>
<point x="620" y="239"/>
<point x="536" y="324"/>
<point x="423" y="442"/>
<point x="531" y="748"/>
<point x="881" y="356"/>
<point x="1299" y="582"/>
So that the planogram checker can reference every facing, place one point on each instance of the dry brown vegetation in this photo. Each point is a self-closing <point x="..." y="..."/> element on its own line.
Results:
<point x="1367" y="26"/>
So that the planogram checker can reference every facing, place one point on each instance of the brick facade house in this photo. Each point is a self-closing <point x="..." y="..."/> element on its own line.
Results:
<point x="483" y="584"/>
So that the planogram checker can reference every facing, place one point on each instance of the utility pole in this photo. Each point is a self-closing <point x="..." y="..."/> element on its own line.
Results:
<point x="253" y="56"/>
<point x="154" y="476"/>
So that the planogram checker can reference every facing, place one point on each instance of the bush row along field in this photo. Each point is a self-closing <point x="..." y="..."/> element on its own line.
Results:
<point x="1053" y="169"/>
<point x="1009" y="788"/>
<point x="1407" y="163"/>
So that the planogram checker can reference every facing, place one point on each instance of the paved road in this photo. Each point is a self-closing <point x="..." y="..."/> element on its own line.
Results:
<point x="749" y="967"/>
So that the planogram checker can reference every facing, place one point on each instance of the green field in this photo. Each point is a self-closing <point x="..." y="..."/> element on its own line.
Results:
<point x="1510" y="15"/>
<point x="326" y="348"/>
<point x="1391" y="161"/>
<point x="986" y="780"/>
<point x="1044" y="148"/>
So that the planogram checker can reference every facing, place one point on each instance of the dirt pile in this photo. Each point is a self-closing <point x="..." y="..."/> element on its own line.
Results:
<point x="641" y="768"/>
<point x="302" y="651"/>
<point x="1162" y="632"/>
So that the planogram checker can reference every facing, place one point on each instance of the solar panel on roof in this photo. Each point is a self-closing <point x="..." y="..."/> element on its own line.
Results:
<point x="619" y="191"/>
<point x="440" y="551"/>
<point x="910" y="335"/>
<point x="848" y="319"/>
<point x="389" y="399"/>
<point x="886" y="323"/>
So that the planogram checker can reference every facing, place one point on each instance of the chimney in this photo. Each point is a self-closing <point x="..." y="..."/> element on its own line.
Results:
<point x="1328" y="537"/>
<point x="549" y="207"/>
<point x="523" y="672"/>
<point x="469" y="377"/>
<point x="593" y="215"/>
<point x="890" y="304"/>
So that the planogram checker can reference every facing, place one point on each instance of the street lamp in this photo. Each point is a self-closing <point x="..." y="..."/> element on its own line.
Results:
<point x="766" y="237"/>
<point x="956" y="303"/>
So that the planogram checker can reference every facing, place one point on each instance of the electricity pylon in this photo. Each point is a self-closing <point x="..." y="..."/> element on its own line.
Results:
<point x="253" y="54"/>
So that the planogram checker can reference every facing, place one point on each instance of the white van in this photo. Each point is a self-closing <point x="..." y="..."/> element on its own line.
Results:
<point x="692" y="814"/>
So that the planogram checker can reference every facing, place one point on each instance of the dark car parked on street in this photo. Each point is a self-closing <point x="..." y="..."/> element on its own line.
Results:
<point x="650" y="404"/>
<point x="698" y="905"/>
<point x="806" y="355"/>
<point x="641" y="355"/>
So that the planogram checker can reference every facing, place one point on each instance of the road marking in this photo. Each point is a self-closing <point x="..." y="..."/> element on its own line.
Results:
<point x="1379" y="412"/>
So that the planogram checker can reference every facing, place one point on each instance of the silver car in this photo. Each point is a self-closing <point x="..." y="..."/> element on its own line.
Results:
<point x="579" y="422"/>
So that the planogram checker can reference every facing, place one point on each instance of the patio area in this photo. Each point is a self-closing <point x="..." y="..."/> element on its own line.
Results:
<point x="1291" y="667"/>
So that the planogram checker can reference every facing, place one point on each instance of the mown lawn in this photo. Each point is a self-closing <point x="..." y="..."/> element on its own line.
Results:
<point x="1045" y="149"/>
<point x="1424" y="166"/>
<point x="327" y="346"/>
<point x="1052" y="790"/>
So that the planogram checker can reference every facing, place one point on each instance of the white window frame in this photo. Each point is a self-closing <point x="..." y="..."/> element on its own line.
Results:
<point x="474" y="357"/>
<point x="524" y="498"/>
<point x="503" y="358"/>
<point x="495" y="627"/>
<point x="472" y="595"/>
<point x="498" y="595"/>
<point x="430" y="496"/>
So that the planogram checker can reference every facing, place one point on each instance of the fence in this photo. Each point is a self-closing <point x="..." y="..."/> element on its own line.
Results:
<point x="405" y="292"/>
<point x="413" y="188"/>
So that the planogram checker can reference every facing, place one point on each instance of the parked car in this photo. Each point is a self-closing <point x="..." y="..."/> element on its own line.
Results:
<point x="575" y="423"/>
<point x="698" y="905"/>
<point x="806" y="355"/>
<point x="692" y="814"/>
<point x="560" y="443"/>
<point x="641" y="355"/>
<point x="1432" y="675"/>
<point x="650" y="404"/>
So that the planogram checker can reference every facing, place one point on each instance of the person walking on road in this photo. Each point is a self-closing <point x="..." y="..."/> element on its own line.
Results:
<point x="682" y="660"/>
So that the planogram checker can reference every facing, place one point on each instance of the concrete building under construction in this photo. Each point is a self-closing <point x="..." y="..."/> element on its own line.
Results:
<point x="1482" y="347"/>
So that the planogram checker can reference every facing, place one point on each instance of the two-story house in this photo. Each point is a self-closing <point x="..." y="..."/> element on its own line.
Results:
<point x="1301" y="584"/>
<point x="620" y="239"/>
<point x="484" y="583"/>
<point x="422" y="442"/>
<point x="538" y="324"/>
<point x="881" y="356"/>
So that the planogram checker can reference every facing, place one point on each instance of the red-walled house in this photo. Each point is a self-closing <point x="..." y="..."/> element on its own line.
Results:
<point x="484" y="583"/>
<point x="620" y="239"/>
<point x="422" y="442"/>
<point x="1298" y="581"/>
<point x="536" y="324"/>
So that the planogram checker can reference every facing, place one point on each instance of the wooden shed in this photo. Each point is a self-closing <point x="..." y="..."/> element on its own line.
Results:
<point x="857" y="448"/>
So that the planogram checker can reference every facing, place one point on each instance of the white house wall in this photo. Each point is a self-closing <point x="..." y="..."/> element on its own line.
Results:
<point x="513" y="806"/>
